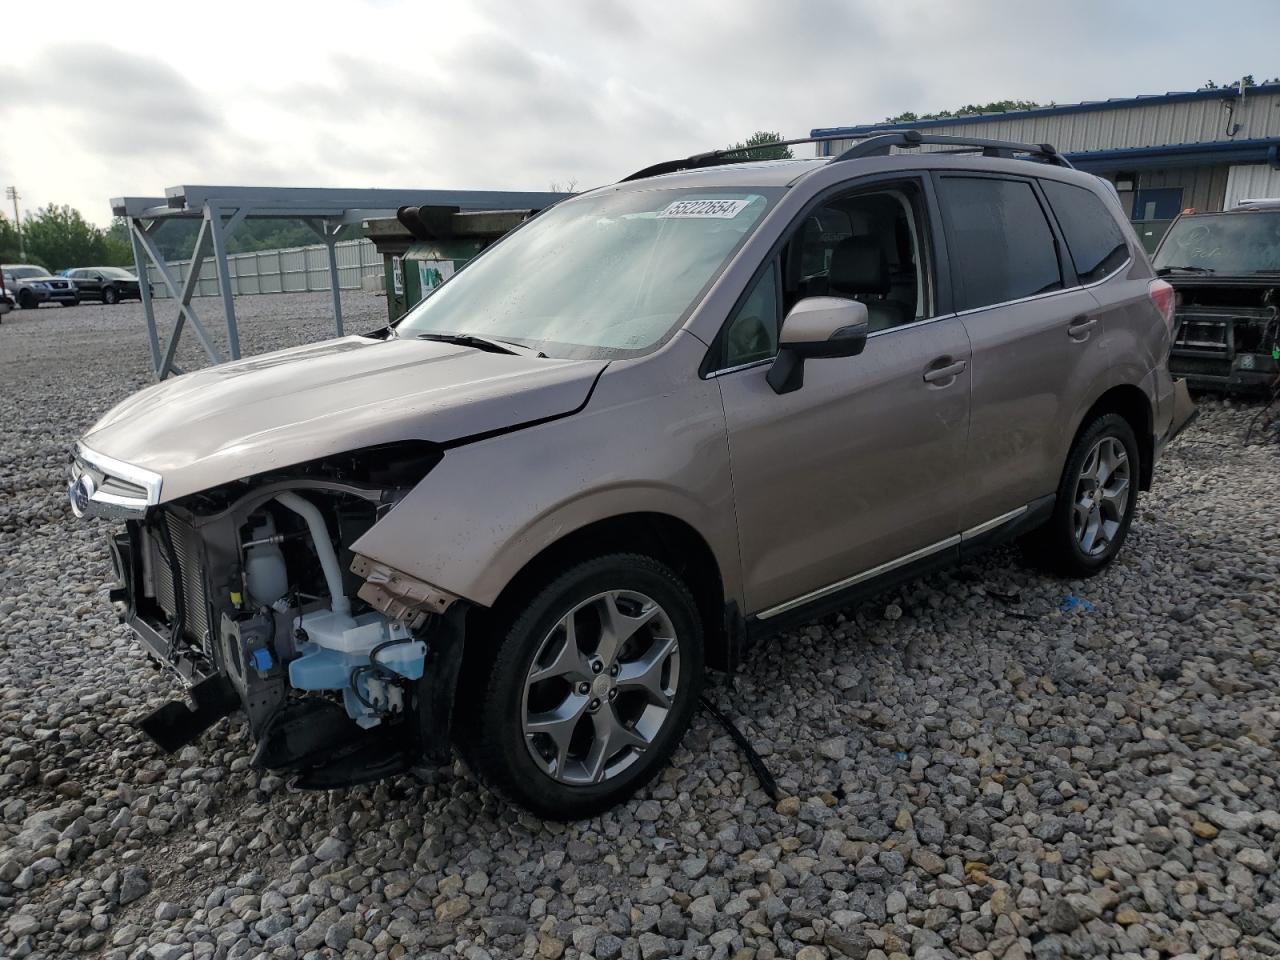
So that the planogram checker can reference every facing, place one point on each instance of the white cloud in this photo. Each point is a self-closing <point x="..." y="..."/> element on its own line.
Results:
<point x="516" y="94"/>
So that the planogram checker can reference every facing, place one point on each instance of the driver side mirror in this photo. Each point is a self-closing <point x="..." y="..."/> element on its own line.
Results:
<point x="816" y="328"/>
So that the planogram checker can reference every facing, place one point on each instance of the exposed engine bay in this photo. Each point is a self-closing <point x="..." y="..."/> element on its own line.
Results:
<point x="248" y="592"/>
<point x="1227" y="334"/>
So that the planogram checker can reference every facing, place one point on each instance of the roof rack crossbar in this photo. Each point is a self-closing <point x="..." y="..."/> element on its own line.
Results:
<point x="715" y="158"/>
<point x="879" y="144"/>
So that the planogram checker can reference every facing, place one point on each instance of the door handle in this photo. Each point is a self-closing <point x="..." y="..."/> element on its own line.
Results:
<point x="949" y="371"/>
<point x="1081" y="326"/>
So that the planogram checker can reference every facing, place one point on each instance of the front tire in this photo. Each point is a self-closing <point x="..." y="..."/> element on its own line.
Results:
<point x="590" y="688"/>
<point x="110" y="297"/>
<point x="26" y="300"/>
<point x="1095" y="501"/>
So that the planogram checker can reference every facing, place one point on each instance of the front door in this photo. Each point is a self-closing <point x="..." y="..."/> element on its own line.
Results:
<point x="861" y="467"/>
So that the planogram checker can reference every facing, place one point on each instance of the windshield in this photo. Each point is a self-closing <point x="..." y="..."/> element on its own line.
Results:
<point x="606" y="275"/>
<point x="25" y="273"/>
<point x="1233" y="243"/>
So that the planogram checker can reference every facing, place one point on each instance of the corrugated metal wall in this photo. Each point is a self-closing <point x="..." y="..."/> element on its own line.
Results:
<point x="281" y="271"/>
<point x="1202" y="187"/>
<point x="1188" y="121"/>
<point x="1251" y="182"/>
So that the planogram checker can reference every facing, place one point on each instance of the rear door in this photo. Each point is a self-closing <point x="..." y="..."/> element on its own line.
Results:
<point x="1037" y="346"/>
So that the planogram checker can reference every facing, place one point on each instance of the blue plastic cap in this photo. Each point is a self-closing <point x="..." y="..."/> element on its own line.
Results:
<point x="261" y="658"/>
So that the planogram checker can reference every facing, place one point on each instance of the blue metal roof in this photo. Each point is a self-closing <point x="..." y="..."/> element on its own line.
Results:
<point x="1265" y="150"/>
<point x="1088" y="106"/>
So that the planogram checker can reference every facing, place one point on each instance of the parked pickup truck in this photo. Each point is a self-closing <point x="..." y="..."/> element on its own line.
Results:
<point x="1225" y="268"/>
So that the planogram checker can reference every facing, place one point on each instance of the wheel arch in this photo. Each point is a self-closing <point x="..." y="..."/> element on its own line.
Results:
<point x="1130" y="402"/>
<point x="661" y="536"/>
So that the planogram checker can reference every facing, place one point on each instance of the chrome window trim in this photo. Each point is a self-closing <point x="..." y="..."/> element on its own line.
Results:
<point x="1043" y="296"/>
<point x="890" y="565"/>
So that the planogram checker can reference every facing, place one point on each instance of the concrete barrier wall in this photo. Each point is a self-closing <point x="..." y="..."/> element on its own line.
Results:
<point x="291" y="270"/>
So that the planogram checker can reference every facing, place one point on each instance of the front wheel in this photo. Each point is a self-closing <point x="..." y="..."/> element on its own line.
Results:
<point x="26" y="300"/>
<point x="109" y="296"/>
<point x="1095" y="501"/>
<point x="589" y="690"/>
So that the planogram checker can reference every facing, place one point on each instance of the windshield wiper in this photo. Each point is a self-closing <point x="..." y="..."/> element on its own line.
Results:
<point x="487" y="344"/>
<point x="1163" y="271"/>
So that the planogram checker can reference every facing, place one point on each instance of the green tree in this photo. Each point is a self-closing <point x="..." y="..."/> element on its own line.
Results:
<point x="995" y="106"/>
<point x="59" y="237"/>
<point x="8" y="242"/>
<point x="761" y="138"/>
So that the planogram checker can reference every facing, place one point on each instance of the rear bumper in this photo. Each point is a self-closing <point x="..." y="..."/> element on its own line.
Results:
<point x="1184" y="412"/>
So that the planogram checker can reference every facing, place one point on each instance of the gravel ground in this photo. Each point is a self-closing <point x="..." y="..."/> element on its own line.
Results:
<point x="971" y="770"/>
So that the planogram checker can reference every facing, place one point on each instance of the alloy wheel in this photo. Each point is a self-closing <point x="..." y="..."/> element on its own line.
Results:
<point x="600" y="687"/>
<point x="1101" y="496"/>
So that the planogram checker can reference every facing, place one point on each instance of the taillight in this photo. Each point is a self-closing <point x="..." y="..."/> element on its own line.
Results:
<point x="1161" y="293"/>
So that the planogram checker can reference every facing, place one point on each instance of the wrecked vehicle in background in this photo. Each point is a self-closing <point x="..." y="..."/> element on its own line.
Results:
<point x="653" y="425"/>
<point x="1225" y="268"/>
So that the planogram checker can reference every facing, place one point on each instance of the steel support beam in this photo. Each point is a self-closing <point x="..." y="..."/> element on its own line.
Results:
<point x="144" y="292"/>
<point x="181" y="295"/>
<point x="328" y="232"/>
<point x="221" y="231"/>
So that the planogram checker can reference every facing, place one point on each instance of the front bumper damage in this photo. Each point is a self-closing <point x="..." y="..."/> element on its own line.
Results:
<point x="1231" y="349"/>
<point x="327" y="717"/>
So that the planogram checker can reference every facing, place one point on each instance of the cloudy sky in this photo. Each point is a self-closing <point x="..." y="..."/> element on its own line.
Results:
<point x="96" y="103"/>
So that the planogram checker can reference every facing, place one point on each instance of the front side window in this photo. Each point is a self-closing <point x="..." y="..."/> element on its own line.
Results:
<point x="1000" y="243"/>
<point x="1230" y="243"/>
<point x="604" y="275"/>
<point x="1094" y="239"/>
<point x="865" y="245"/>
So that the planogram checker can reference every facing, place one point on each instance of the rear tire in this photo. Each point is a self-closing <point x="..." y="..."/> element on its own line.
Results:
<point x="589" y="689"/>
<point x="1095" y="501"/>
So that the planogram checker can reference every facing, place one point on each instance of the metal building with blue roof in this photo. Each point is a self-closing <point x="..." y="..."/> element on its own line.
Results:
<point x="1203" y="149"/>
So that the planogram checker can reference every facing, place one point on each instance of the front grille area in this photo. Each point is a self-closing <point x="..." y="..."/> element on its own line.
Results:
<point x="1199" y="367"/>
<point x="187" y="558"/>
<point x="1209" y="335"/>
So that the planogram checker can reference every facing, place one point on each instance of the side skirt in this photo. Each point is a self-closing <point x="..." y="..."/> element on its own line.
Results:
<point x="967" y="545"/>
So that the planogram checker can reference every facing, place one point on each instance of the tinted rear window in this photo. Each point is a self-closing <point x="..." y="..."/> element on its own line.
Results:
<point x="1000" y="243"/>
<point x="1094" y="238"/>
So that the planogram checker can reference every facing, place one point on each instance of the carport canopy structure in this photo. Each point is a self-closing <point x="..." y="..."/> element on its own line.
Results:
<point x="329" y="212"/>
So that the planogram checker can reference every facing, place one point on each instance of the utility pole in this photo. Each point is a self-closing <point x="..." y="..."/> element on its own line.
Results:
<point x="11" y="193"/>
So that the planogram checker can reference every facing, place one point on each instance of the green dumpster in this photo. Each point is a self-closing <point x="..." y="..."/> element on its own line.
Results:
<point x="424" y="246"/>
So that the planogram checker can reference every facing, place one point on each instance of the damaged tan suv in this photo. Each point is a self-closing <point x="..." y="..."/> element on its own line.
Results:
<point x="657" y="422"/>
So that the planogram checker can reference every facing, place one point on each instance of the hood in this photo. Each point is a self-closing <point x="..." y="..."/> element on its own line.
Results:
<point x="239" y="419"/>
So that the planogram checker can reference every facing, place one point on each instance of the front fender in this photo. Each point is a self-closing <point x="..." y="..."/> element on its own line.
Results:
<point x="651" y="440"/>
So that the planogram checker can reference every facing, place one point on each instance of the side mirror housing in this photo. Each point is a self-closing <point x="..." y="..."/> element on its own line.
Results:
<point x="815" y="328"/>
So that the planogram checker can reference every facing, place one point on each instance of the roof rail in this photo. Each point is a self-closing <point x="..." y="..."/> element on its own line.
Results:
<point x="879" y="144"/>
<point x="870" y="145"/>
<point x="715" y="158"/>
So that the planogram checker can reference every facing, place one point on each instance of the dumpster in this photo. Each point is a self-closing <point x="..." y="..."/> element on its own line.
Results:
<point x="424" y="246"/>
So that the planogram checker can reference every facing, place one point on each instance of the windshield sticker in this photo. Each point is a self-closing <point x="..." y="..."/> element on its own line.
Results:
<point x="712" y="209"/>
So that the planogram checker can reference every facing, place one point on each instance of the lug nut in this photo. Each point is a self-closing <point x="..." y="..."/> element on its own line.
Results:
<point x="584" y="688"/>
<point x="613" y="671"/>
<point x="595" y="704"/>
<point x="613" y="694"/>
<point x="596" y="666"/>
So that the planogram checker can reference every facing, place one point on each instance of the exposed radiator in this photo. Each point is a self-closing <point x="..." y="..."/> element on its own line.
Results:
<point x="186" y="549"/>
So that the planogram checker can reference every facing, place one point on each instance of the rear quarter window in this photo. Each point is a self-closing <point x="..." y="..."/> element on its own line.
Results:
<point x="1000" y="243"/>
<point x="1094" y="239"/>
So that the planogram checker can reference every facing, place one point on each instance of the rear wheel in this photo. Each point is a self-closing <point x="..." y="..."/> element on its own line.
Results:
<point x="109" y="296"/>
<point x="589" y="690"/>
<point x="1095" y="501"/>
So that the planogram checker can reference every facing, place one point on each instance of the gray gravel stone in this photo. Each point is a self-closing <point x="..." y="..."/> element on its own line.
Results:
<point x="966" y="767"/>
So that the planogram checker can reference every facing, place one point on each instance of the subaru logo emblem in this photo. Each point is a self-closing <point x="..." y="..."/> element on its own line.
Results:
<point x="81" y="494"/>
